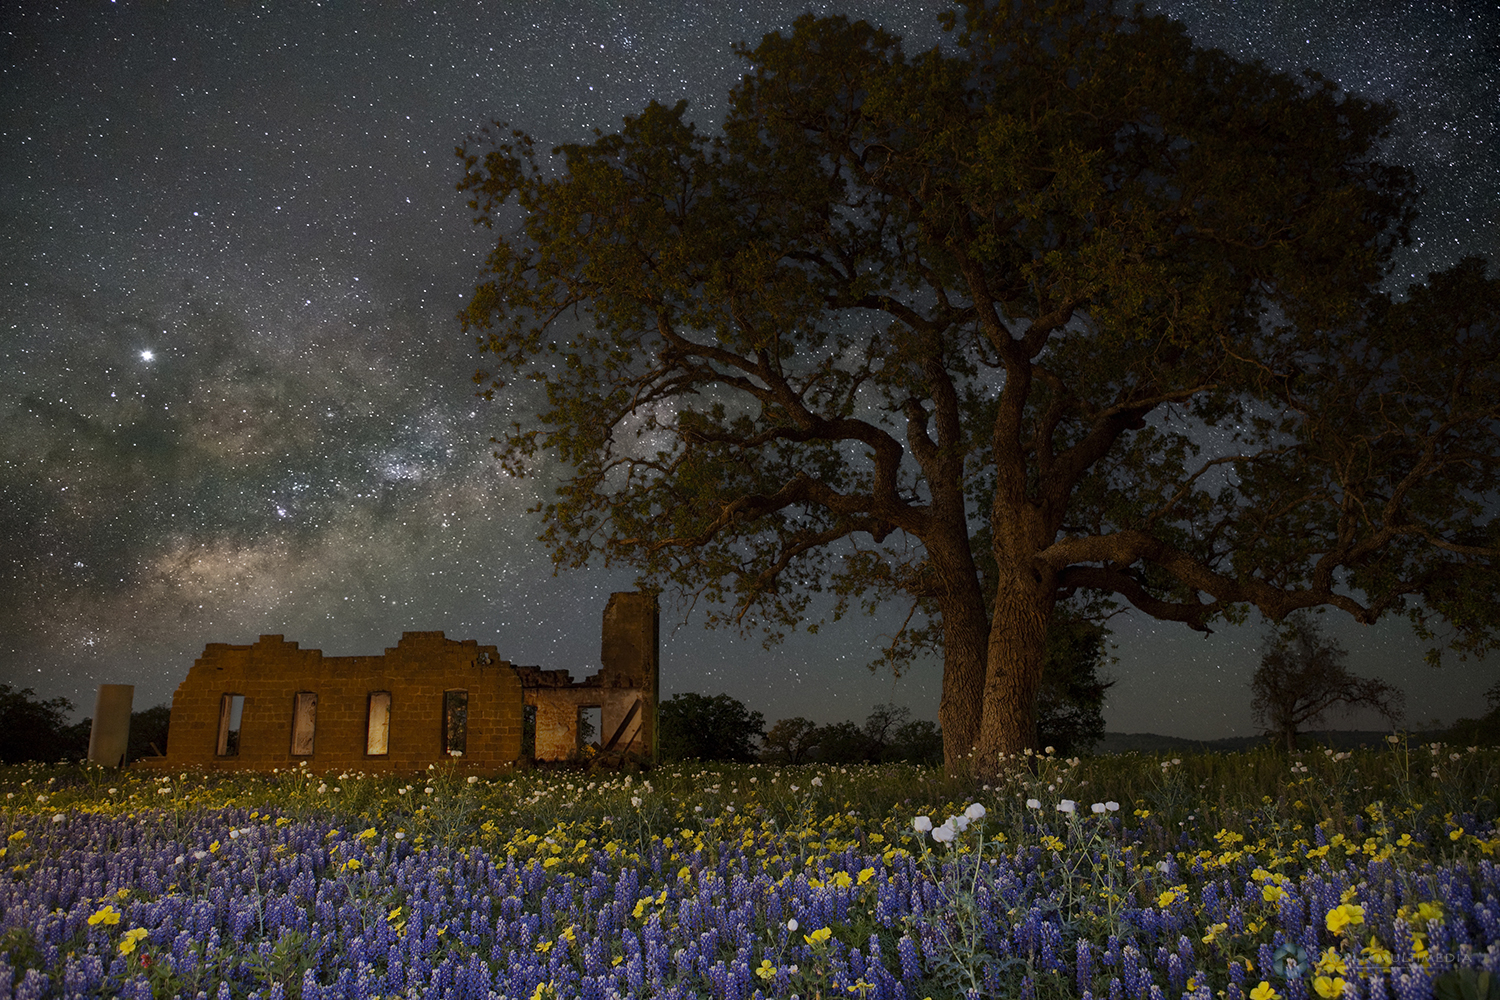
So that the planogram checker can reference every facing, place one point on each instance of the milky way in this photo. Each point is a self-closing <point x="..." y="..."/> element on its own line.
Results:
<point x="235" y="399"/>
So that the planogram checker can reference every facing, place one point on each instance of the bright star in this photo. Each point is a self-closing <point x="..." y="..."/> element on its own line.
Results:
<point x="148" y="355"/>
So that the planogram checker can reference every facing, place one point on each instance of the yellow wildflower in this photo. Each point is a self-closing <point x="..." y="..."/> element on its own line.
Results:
<point x="766" y="971"/>
<point x="1332" y="962"/>
<point x="107" y="916"/>
<point x="1343" y="916"/>
<point x="1272" y="893"/>
<point x="352" y="865"/>
<point x="842" y="880"/>
<point x="865" y="874"/>
<point x="1378" y="953"/>
<point x="1329" y="987"/>
<point x="132" y="937"/>
<point x="1264" y="992"/>
<point x="817" y="937"/>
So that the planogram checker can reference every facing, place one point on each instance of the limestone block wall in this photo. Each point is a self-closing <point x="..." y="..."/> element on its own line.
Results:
<point x="630" y="652"/>
<point x="624" y="690"/>
<point x="271" y="674"/>
<point x="557" y="719"/>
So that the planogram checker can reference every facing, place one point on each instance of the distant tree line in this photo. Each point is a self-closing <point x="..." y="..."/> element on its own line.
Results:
<point x="721" y="728"/>
<point x="1070" y="717"/>
<point x="32" y="729"/>
<point x="1483" y="731"/>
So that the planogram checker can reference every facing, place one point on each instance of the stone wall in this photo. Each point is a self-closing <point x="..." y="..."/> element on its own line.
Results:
<point x="417" y="672"/>
<point x="624" y="691"/>
<point x="296" y="705"/>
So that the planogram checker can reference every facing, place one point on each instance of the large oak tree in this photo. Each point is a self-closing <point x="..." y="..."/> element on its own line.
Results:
<point x="1066" y="308"/>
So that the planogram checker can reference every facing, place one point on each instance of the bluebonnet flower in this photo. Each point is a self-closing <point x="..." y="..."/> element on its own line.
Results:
<point x="1085" y="965"/>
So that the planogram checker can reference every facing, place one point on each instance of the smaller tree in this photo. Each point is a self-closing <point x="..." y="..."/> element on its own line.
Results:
<point x="718" y="728"/>
<point x="1302" y="677"/>
<point x="843" y="743"/>
<point x="917" y="742"/>
<point x="790" y="741"/>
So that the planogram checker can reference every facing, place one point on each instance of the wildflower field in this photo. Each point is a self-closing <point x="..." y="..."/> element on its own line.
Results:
<point x="1255" y="875"/>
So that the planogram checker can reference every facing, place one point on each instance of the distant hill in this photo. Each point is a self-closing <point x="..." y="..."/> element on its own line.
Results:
<point x="1338" y="739"/>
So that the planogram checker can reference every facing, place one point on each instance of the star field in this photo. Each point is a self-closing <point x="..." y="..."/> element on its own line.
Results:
<point x="235" y="399"/>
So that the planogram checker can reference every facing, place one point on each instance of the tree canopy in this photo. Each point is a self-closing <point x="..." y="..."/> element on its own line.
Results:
<point x="34" y="729"/>
<point x="721" y="727"/>
<point x="1066" y="309"/>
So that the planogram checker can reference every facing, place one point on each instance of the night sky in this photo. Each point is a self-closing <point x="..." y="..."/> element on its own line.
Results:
<point x="236" y="400"/>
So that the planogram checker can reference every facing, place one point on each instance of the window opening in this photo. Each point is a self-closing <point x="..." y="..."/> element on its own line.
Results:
<point x="304" y="723"/>
<point x="231" y="709"/>
<point x="455" y="723"/>
<point x="528" y="731"/>
<point x="590" y="723"/>
<point x="378" y="724"/>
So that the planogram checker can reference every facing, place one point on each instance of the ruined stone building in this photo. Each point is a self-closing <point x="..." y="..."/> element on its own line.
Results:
<point x="428" y="699"/>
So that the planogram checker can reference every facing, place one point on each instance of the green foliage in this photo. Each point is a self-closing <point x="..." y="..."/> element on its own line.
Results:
<point x="31" y="729"/>
<point x="1069" y="296"/>
<point x="148" y="731"/>
<point x="1070" y="704"/>
<point x="790" y="741"/>
<point x="1467" y="984"/>
<point x="695" y="726"/>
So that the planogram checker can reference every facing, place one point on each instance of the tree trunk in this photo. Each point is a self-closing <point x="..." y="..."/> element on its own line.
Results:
<point x="1017" y="649"/>
<point x="965" y="627"/>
